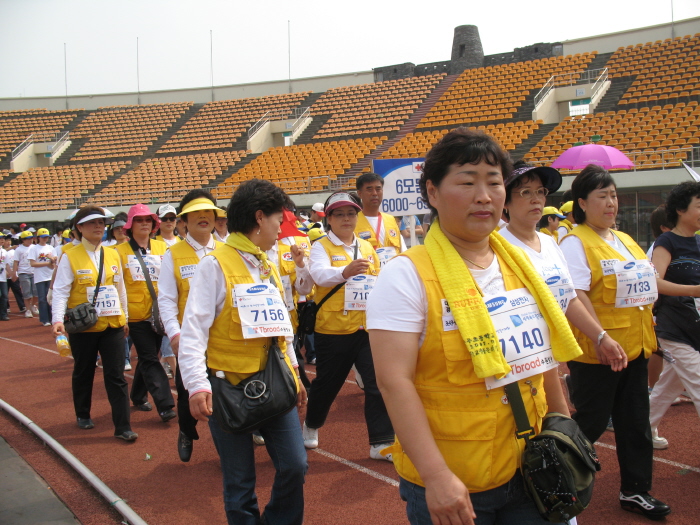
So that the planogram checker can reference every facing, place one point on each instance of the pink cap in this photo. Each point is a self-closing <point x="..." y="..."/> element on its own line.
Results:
<point x="140" y="210"/>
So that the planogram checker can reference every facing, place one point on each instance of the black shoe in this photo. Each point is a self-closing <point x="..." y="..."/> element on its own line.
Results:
<point x="127" y="435"/>
<point x="184" y="447"/>
<point x="85" y="423"/>
<point x="144" y="407"/>
<point x="167" y="415"/>
<point x="642" y="502"/>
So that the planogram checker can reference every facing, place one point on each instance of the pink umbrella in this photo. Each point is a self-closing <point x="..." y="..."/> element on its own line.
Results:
<point x="579" y="157"/>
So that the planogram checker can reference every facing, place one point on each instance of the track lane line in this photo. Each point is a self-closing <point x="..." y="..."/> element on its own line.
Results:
<point x="357" y="467"/>
<point x="660" y="460"/>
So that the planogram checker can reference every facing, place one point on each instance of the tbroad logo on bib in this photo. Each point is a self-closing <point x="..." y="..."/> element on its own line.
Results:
<point x="495" y="303"/>
<point x="257" y="289"/>
<point x="554" y="279"/>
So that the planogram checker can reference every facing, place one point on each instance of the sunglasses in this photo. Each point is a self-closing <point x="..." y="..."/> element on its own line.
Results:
<point x="168" y="219"/>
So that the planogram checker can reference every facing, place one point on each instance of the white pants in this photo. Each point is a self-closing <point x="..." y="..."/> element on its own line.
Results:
<point x="684" y="374"/>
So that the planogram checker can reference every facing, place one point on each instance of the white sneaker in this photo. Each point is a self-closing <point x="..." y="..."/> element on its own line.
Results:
<point x="358" y="378"/>
<point x="659" y="443"/>
<point x="28" y="313"/>
<point x="127" y="366"/>
<point x="310" y="436"/>
<point x="375" y="452"/>
<point x="258" y="439"/>
<point x="35" y="310"/>
<point x="47" y="324"/>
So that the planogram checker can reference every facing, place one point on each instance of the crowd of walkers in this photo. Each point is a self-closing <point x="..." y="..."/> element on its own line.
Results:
<point x="206" y="294"/>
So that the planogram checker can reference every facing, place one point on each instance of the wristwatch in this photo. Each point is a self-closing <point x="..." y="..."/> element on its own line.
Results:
<point x="600" y="337"/>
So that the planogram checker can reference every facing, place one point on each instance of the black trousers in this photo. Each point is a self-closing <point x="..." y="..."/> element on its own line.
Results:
<point x="185" y="419"/>
<point x="335" y="355"/>
<point x="599" y="393"/>
<point x="110" y="345"/>
<point x="17" y="291"/>
<point x="149" y="375"/>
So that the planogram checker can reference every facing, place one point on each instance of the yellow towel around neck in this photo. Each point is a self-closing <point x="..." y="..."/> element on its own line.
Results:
<point x="472" y="317"/>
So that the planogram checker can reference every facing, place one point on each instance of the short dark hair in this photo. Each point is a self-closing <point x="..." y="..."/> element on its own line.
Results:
<point x="658" y="219"/>
<point x="461" y="146"/>
<point x="366" y="178"/>
<point x="680" y="198"/>
<point x="565" y="197"/>
<point x="353" y="196"/>
<point x="251" y="196"/>
<point x="121" y="216"/>
<point x="191" y="195"/>
<point x="82" y="213"/>
<point x="591" y="178"/>
<point x="544" y="221"/>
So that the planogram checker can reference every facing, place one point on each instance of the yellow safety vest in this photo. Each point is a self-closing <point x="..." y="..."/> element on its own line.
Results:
<point x="554" y="234"/>
<point x="183" y="255"/>
<point x="331" y="318"/>
<point x="287" y="267"/>
<point x="85" y="275"/>
<point x="227" y="350"/>
<point x="159" y="237"/>
<point x="472" y="427"/>
<point x="632" y="327"/>
<point x="365" y="231"/>
<point x="140" y="302"/>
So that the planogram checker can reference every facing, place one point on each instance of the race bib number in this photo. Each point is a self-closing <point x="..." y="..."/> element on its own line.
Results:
<point x="187" y="271"/>
<point x="636" y="284"/>
<point x="357" y="290"/>
<point x="262" y="311"/>
<point x="107" y="300"/>
<point x="559" y="284"/>
<point x="152" y="264"/>
<point x="385" y="254"/>
<point x="523" y="335"/>
<point x="288" y="295"/>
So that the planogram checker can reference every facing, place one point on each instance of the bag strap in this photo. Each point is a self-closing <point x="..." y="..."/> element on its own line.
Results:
<point x="154" y="297"/>
<point x="523" y="429"/>
<point x="99" y="276"/>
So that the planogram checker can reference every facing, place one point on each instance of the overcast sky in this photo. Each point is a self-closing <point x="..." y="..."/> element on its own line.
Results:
<point x="250" y="38"/>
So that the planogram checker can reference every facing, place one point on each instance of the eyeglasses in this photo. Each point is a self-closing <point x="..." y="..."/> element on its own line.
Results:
<point x="168" y="219"/>
<point x="350" y="215"/>
<point x="528" y="193"/>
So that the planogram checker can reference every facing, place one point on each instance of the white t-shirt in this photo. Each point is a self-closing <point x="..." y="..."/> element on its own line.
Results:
<point x="22" y="258"/>
<point x="561" y="231"/>
<point x="575" y="255"/>
<point x="3" y="270"/>
<point x="40" y="254"/>
<point x="399" y="303"/>
<point x="10" y="259"/>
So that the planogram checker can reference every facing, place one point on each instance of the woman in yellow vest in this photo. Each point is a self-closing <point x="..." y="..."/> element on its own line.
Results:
<point x="618" y="286"/>
<point x="442" y="323"/>
<point x="149" y="375"/>
<point x="213" y="338"/>
<point x="198" y="209"/>
<point x="340" y="339"/>
<point x="76" y="278"/>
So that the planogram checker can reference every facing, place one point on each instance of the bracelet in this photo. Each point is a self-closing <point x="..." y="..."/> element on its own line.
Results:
<point x="600" y="337"/>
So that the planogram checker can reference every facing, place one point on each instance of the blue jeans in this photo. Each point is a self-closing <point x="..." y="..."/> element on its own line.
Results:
<point x="165" y="349"/>
<point x="42" y="290"/>
<point x="504" y="505"/>
<point x="286" y="449"/>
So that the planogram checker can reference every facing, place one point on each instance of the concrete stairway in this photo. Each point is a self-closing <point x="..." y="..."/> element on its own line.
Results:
<point x="531" y="141"/>
<point x="408" y="127"/>
<point x="611" y="99"/>
<point x="172" y="130"/>
<point x="233" y="169"/>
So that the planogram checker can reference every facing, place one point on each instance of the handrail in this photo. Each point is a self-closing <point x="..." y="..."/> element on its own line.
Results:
<point x="22" y="146"/>
<point x="572" y="79"/>
<point x="279" y="114"/>
<point x="43" y="136"/>
<point x="599" y="83"/>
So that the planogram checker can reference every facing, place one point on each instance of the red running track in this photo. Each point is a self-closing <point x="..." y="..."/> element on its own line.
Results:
<point x="343" y="485"/>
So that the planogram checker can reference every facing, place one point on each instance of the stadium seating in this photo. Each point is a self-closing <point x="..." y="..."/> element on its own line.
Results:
<point x="381" y="107"/>
<point x="16" y="126"/>
<point x="124" y="131"/>
<point x="303" y="168"/>
<point x="167" y="178"/>
<point x="496" y="92"/>
<point x="220" y="124"/>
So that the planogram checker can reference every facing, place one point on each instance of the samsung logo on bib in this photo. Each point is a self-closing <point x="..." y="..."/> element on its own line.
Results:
<point x="553" y="280"/>
<point x="257" y="289"/>
<point x="359" y="278"/>
<point x="495" y="303"/>
<point x="629" y="265"/>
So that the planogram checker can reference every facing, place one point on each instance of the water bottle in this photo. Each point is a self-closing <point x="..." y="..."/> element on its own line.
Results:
<point x="63" y="346"/>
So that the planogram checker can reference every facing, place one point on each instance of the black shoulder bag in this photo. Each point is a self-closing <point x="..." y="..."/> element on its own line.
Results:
<point x="84" y="316"/>
<point x="155" y="319"/>
<point x="558" y="464"/>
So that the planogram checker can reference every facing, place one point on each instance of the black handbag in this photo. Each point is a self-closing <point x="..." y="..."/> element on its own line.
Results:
<point x="267" y="394"/>
<point x="155" y="319"/>
<point x="84" y="316"/>
<point x="558" y="464"/>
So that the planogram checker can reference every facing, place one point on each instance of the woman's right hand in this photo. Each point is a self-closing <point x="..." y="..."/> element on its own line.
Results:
<point x="356" y="267"/>
<point x="610" y="352"/>
<point x="448" y="500"/>
<point x="58" y="329"/>
<point x="201" y="406"/>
